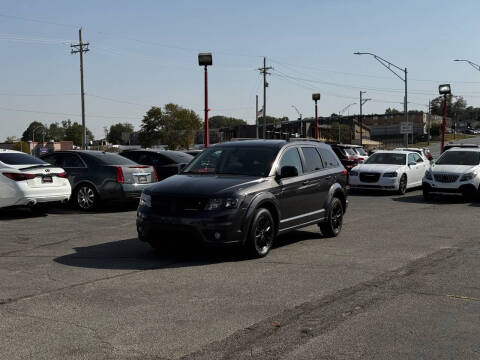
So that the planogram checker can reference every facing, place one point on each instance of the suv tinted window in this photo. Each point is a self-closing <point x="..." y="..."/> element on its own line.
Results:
<point x="328" y="158"/>
<point x="112" y="159"/>
<point x="291" y="157"/>
<point x="313" y="161"/>
<point x="20" y="159"/>
<point x="179" y="157"/>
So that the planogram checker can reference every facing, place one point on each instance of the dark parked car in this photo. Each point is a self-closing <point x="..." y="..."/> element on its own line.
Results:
<point x="101" y="176"/>
<point x="194" y="153"/>
<point x="347" y="155"/>
<point x="246" y="193"/>
<point x="166" y="163"/>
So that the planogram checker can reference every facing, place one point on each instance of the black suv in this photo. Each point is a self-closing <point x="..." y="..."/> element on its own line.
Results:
<point x="247" y="192"/>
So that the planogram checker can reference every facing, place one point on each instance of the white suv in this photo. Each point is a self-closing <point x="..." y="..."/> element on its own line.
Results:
<point x="456" y="171"/>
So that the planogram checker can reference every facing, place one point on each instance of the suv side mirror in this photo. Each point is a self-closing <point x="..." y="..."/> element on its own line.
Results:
<point x="288" y="171"/>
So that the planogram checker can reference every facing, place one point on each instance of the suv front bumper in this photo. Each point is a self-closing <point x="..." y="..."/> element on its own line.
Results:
<point x="215" y="228"/>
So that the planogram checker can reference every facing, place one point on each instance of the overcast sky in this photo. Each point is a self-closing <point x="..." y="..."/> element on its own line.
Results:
<point x="144" y="53"/>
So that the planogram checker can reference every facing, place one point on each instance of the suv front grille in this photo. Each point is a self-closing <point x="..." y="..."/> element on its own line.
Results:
<point x="446" y="178"/>
<point x="167" y="206"/>
<point x="369" y="177"/>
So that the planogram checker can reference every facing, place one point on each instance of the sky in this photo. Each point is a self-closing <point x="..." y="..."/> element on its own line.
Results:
<point x="144" y="53"/>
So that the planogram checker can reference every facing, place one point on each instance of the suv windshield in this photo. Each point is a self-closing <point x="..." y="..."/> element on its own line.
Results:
<point x="242" y="160"/>
<point x="459" y="158"/>
<point x="20" y="159"/>
<point x="387" y="158"/>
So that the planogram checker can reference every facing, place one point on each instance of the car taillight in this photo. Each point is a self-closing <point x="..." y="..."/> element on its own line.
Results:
<point x="360" y="159"/>
<point x="345" y="172"/>
<point x="119" y="173"/>
<point x="20" y="176"/>
<point x="155" y="175"/>
<point x="62" y="175"/>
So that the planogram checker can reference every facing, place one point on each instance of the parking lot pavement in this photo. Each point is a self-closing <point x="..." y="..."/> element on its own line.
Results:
<point x="80" y="285"/>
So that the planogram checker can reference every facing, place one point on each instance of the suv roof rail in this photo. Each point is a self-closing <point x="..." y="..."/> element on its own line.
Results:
<point x="304" y="139"/>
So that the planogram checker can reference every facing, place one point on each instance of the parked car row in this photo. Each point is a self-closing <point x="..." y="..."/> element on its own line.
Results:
<point x="237" y="193"/>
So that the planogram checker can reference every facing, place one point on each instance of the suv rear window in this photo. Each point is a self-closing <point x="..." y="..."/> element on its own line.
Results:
<point x="459" y="158"/>
<point x="20" y="159"/>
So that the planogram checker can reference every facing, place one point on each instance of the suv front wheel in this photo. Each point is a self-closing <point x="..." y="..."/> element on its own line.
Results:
<point x="332" y="225"/>
<point x="262" y="233"/>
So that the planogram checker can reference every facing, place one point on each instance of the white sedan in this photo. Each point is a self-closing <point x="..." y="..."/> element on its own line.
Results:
<point x="389" y="170"/>
<point x="28" y="181"/>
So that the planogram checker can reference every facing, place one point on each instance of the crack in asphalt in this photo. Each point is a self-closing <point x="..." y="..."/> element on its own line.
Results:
<point x="281" y="333"/>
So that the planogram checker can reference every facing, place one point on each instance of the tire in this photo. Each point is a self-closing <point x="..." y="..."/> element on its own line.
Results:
<point x="332" y="226"/>
<point x="426" y="194"/>
<point x="261" y="235"/>
<point x="86" y="197"/>
<point x="402" y="185"/>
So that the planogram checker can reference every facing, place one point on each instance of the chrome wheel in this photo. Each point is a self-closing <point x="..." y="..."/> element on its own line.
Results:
<point x="86" y="197"/>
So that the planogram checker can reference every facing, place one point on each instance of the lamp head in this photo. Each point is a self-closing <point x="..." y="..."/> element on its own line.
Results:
<point x="316" y="96"/>
<point x="205" y="59"/>
<point x="444" y="89"/>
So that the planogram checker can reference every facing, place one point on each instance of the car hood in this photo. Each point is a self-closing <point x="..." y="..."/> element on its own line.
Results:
<point x="203" y="185"/>
<point x="377" y="167"/>
<point x="457" y="169"/>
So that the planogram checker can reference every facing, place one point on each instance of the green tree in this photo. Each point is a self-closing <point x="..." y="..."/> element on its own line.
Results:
<point x="37" y="126"/>
<point x="391" y="111"/>
<point x="73" y="132"/>
<point x="56" y="132"/>
<point x="120" y="133"/>
<point x="456" y="106"/>
<point x="219" y="121"/>
<point x="173" y="126"/>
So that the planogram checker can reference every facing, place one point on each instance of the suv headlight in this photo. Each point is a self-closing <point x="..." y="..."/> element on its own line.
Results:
<point x="353" y="173"/>
<point x="468" y="176"/>
<point x="145" y="200"/>
<point x="390" y="174"/>
<point x="428" y="175"/>
<point x="223" y="203"/>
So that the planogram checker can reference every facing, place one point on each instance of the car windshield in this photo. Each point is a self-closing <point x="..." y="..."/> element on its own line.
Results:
<point x="459" y="158"/>
<point x="387" y="158"/>
<point x="20" y="159"/>
<point x="113" y="159"/>
<point x="242" y="160"/>
<point x="360" y="151"/>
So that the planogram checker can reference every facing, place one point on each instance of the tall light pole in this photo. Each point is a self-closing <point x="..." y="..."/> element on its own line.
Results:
<point x="362" y="102"/>
<point x="316" y="97"/>
<point x="444" y="90"/>
<point x="472" y="64"/>
<point x="205" y="60"/>
<point x="340" y="113"/>
<point x="389" y="66"/>
<point x="301" y="123"/>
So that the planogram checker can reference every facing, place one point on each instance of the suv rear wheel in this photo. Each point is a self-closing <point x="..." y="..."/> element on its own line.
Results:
<point x="262" y="233"/>
<point x="332" y="225"/>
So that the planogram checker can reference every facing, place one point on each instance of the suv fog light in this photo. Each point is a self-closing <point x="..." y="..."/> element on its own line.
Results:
<point x="217" y="235"/>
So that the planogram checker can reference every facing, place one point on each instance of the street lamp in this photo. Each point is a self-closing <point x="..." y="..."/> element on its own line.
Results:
<point x="476" y="66"/>
<point x="444" y="90"/>
<point x="389" y="66"/>
<point x="340" y="113"/>
<point x="316" y="97"/>
<point x="205" y="60"/>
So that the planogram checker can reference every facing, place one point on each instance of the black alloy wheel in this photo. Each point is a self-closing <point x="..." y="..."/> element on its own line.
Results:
<point x="262" y="233"/>
<point x="402" y="186"/>
<point x="86" y="197"/>
<point x="332" y="226"/>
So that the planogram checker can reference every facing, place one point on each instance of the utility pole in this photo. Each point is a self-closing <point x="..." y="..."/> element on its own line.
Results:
<point x="300" y="118"/>
<point x="81" y="48"/>
<point x="429" y="121"/>
<point x="264" y="70"/>
<point x="256" y="113"/>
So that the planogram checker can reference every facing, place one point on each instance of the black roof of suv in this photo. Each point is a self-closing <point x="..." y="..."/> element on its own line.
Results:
<point x="247" y="192"/>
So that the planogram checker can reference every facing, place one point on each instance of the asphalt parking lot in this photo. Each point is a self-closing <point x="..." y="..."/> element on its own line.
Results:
<point x="401" y="281"/>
